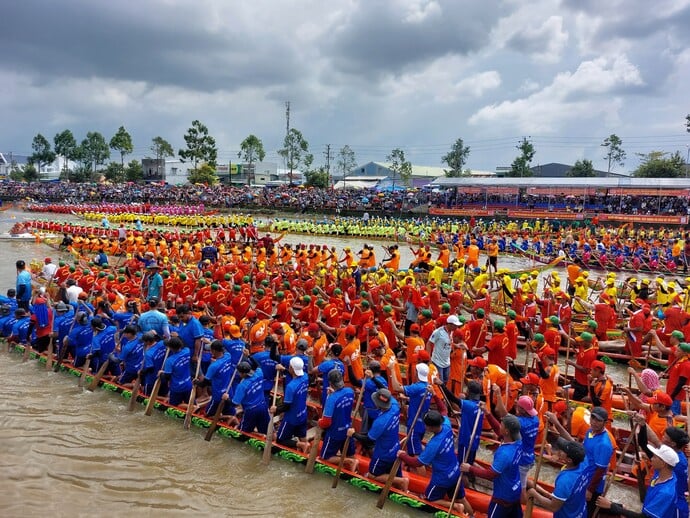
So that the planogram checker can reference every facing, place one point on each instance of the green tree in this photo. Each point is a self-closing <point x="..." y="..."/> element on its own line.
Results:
<point x="94" y="150"/>
<point x="581" y="169"/>
<point x="161" y="150"/>
<point x="42" y="153"/>
<point x="456" y="158"/>
<point x="400" y="166"/>
<point x="614" y="151"/>
<point x="201" y="147"/>
<point x="345" y="161"/>
<point x="122" y="143"/>
<point x="65" y="145"/>
<point x="134" y="172"/>
<point x="295" y="152"/>
<point x="251" y="150"/>
<point x="687" y="123"/>
<point x="658" y="164"/>
<point x="81" y="173"/>
<point x="16" y="172"/>
<point x="205" y="174"/>
<point x="114" y="172"/>
<point x="521" y="165"/>
<point x="317" y="178"/>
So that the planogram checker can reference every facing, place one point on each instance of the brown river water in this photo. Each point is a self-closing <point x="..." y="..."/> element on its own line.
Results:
<point x="69" y="452"/>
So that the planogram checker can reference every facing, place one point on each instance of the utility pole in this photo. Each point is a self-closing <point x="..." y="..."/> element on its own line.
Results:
<point x="287" y="134"/>
<point x="328" y="164"/>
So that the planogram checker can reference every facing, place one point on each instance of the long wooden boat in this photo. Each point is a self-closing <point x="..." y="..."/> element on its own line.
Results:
<point x="480" y="501"/>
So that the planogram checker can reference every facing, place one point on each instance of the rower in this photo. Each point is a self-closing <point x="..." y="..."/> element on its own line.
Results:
<point x="504" y="470"/>
<point x="568" y="498"/>
<point x="294" y="406"/>
<point x="250" y="395"/>
<point x="441" y="458"/>
<point x="600" y="387"/>
<point x="469" y="407"/>
<point x="176" y="370"/>
<point x="154" y="352"/>
<point x="102" y="344"/>
<point x="336" y="420"/>
<point x="130" y="354"/>
<point x="586" y="354"/>
<point x="384" y="438"/>
<point x="331" y="362"/>
<point x="218" y="377"/>
<point x="661" y="496"/>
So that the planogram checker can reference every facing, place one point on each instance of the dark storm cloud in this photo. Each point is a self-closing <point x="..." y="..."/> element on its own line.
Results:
<point x="146" y="41"/>
<point x="382" y="37"/>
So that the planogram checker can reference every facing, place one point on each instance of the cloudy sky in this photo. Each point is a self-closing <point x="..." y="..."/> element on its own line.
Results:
<point x="372" y="74"/>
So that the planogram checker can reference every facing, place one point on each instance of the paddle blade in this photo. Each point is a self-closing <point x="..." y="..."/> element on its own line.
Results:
<point x="27" y="351"/>
<point x="268" y="444"/>
<point x="190" y="408"/>
<point x="49" y="355"/>
<point x="135" y="394"/>
<point x="314" y="451"/>
<point x="389" y="482"/>
<point x="94" y="382"/>
<point x="83" y="372"/>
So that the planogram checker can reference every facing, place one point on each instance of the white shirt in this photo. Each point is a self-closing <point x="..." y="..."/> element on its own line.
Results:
<point x="72" y="294"/>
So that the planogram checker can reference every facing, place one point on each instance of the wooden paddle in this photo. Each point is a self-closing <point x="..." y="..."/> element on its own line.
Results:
<point x="612" y="476"/>
<point x="85" y="368"/>
<point x="314" y="451"/>
<point x="156" y="388"/>
<point x="529" y="508"/>
<point x="49" y="354"/>
<point x="94" y="382"/>
<point x="465" y="458"/>
<point x="687" y="423"/>
<point x="268" y="444"/>
<point x="221" y="406"/>
<point x="346" y="445"/>
<point x="394" y="470"/>
<point x="192" y="397"/>
<point x="135" y="392"/>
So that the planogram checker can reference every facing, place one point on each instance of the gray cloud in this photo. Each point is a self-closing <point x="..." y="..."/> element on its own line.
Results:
<point x="379" y="37"/>
<point x="80" y="38"/>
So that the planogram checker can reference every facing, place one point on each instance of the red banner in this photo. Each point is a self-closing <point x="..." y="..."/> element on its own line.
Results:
<point x="438" y="211"/>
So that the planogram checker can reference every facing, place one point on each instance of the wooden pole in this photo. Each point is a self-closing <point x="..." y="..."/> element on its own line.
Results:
<point x="192" y="397"/>
<point x="135" y="392"/>
<point x="49" y="354"/>
<point x="156" y="388"/>
<point x="221" y="406"/>
<point x="391" y="476"/>
<point x="529" y="508"/>
<point x="465" y="458"/>
<point x="268" y="444"/>
<point x="346" y="445"/>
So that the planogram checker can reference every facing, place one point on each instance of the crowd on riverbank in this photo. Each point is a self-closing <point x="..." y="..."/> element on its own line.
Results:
<point x="315" y="199"/>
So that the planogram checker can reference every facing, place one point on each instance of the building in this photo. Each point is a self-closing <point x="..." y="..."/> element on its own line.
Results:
<point x="421" y="175"/>
<point x="555" y="170"/>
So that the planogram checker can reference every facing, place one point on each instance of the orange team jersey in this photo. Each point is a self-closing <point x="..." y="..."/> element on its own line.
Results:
<point x="604" y="391"/>
<point x="473" y="255"/>
<point x="457" y="370"/>
<point x="413" y="344"/>
<point x="386" y="360"/>
<point x="352" y="351"/>
<point x="549" y="385"/>
<point x="319" y="349"/>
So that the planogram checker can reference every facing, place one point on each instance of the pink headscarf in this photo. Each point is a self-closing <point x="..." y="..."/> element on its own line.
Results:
<point x="650" y="378"/>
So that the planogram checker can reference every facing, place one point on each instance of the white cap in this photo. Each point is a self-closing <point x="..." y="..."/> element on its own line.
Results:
<point x="422" y="372"/>
<point x="297" y="365"/>
<point x="665" y="453"/>
<point x="453" y="319"/>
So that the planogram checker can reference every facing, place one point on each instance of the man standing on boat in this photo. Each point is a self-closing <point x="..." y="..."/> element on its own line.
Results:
<point x="440" y="346"/>
<point x="23" y="285"/>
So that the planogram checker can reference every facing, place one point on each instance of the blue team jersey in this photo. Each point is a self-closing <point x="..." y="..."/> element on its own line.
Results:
<point x="121" y="319"/>
<point x="20" y="329"/>
<point x="681" y="473"/>
<point x="206" y="345"/>
<point x="250" y="392"/>
<point x="268" y="368"/>
<point x="326" y="367"/>
<point x="62" y="325"/>
<point x="190" y="332"/>
<point x="598" y="451"/>
<point x="385" y="431"/>
<point x="235" y="347"/>
<point x="529" y="428"/>
<point x="369" y="388"/>
<point x="418" y="395"/>
<point x="177" y="365"/>
<point x="469" y="410"/>
<point x="103" y="342"/>
<point x="507" y="464"/>
<point x="660" y="501"/>
<point x="339" y="408"/>
<point x="296" y="392"/>
<point x="571" y="488"/>
<point x="80" y="338"/>
<point x="132" y="354"/>
<point x="219" y="373"/>
<point x="285" y="362"/>
<point x="440" y="455"/>
<point x="153" y="362"/>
